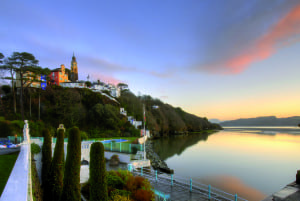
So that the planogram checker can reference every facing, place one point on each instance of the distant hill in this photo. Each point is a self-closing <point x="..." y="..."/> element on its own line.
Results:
<point x="216" y="121"/>
<point x="264" y="121"/>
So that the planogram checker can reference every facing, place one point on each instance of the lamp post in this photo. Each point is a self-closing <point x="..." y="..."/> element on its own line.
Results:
<point x="144" y="132"/>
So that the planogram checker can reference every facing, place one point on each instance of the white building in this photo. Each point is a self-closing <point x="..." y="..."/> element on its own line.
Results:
<point x="98" y="87"/>
<point x="136" y="123"/>
<point x="73" y="84"/>
<point x="123" y="111"/>
<point x="130" y="118"/>
<point x="115" y="92"/>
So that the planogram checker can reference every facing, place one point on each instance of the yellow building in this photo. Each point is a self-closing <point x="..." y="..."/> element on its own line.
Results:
<point x="59" y="75"/>
<point x="28" y="78"/>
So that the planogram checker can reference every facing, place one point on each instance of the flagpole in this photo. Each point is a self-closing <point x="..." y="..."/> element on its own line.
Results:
<point x="144" y="133"/>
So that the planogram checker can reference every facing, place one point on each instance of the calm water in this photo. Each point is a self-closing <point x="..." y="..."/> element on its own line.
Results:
<point x="252" y="162"/>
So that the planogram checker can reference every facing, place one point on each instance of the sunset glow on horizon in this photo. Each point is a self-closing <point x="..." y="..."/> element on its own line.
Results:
<point x="215" y="59"/>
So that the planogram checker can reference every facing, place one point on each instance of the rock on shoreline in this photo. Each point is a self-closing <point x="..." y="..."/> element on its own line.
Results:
<point x="156" y="162"/>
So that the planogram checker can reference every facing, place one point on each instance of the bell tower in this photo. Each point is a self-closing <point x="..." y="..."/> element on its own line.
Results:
<point x="74" y="69"/>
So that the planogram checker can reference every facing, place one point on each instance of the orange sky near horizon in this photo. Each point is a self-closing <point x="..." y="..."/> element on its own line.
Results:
<point x="275" y="105"/>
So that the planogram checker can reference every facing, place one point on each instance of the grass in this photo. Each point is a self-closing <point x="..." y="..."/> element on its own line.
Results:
<point x="7" y="163"/>
<point x="130" y="139"/>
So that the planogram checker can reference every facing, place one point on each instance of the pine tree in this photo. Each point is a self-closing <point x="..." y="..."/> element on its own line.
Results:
<point x="71" y="188"/>
<point x="46" y="154"/>
<point x="56" y="174"/>
<point x="98" y="183"/>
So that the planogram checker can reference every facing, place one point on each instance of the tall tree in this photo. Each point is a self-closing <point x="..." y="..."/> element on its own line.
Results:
<point x="8" y="66"/>
<point x="54" y="184"/>
<point x="22" y="62"/>
<point x="71" y="189"/>
<point x="46" y="154"/>
<point x="1" y="57"/>
<point x="98" y="189"/>
<point x="23" y="66"/>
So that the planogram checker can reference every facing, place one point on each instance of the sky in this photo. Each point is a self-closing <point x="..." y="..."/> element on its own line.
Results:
<point x="213" y="58"/>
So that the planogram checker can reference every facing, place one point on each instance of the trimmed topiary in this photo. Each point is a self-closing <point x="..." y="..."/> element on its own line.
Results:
<point x="55" y="175"/>
<point x="35" y="148"/>
<point x="98" y="182"/>
<point x="71" y="188"/>
<point x="298" y="177"/>
<point x="114" y="160"/>
<point x="46" y="154"/>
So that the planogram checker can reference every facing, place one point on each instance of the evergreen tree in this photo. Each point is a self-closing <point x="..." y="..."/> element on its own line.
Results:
<point x="55" y="176"/>
<point x="46" y="154"/>
<point x="71" y="188"/>
<point x="98" y="183"/>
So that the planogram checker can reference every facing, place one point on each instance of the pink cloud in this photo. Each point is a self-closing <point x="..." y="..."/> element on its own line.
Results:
<point x="283" y="33"/>
<point x="105" y="78"/>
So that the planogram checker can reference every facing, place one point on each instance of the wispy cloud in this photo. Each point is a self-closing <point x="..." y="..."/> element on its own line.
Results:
<point x="284" y="32"/>
<point x="278" y="36"/>
<point x="112" y="67"/>
<point x="94" y="76"/>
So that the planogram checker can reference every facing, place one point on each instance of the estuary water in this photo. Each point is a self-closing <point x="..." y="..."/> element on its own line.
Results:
<point x="253" y="162"/>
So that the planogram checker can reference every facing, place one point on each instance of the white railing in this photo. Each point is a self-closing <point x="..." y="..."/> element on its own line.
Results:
<point x="19" y="186"/>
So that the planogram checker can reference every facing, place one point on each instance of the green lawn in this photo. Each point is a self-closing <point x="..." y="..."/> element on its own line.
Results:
<point x="7" y="163"/>
<point x="130" y="139"/>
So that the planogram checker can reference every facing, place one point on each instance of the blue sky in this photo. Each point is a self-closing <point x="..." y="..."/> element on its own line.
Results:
<point x="219" y="59"/>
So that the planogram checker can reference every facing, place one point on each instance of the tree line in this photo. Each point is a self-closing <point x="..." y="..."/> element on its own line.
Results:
<point x="98" y="115"/>
<point x="163" y="119"/>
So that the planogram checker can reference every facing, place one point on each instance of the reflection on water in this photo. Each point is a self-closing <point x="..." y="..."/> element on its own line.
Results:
<point x="167" y="147"/>
<point x="251" y="164"/>
<point x="232" y="185"/>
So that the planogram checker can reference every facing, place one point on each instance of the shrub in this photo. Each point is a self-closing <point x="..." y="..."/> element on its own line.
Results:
<point x="121" y="198"/>
<point x="122" y="185"/>
<point x="54" y="183"/>
<point x="140" y="187"/>
<point x="71" y="187"/>
<point x="98" y="188"/>
<point x="46" y="154"/>
<point x="35" y="148"/>
<point x="123" y="174"/>
<point x="117" y="193"/>
<point x="143" y="195"/>
<point x="114" y="181"/>
<point x="115" y="157"/>
<point x="6" y="129"/>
